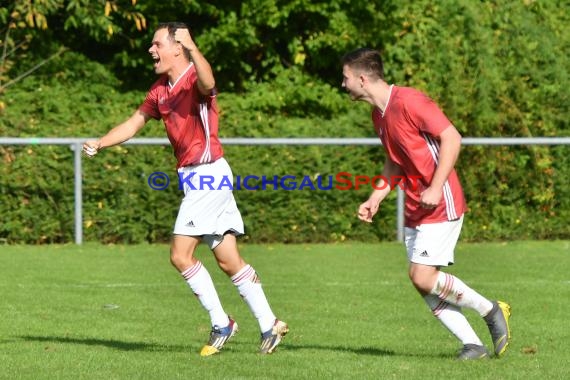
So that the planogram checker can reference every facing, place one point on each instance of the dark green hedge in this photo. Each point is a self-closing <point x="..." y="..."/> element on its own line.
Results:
<point x="513" y="192"/>
<point x="498" y="69"/>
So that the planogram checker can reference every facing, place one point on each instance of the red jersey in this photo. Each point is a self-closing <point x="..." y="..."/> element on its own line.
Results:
<point x="408" y="130"/>
<point x="190" y="118"/>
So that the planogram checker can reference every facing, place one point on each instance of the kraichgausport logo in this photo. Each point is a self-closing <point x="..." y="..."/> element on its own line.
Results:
<point x="340" y="181"/>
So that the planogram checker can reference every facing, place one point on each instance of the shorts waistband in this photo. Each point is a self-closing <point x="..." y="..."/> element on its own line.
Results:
<point x="194" y="165"/>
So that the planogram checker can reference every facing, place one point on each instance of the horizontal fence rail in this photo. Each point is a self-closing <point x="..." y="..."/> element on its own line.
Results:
<point x="288" y="141"/>
<point x="76" y="144"/>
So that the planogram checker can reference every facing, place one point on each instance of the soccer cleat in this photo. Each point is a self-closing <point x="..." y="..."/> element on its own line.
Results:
<point x="271" y="338"/>
<point x="219" y="337"/>
<point x="498" y="323"/>
<point x="473" y="352"/>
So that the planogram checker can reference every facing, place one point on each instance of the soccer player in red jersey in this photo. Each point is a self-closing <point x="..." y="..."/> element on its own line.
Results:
<point x="421" y="143"/>
<point x="184" y="97"/>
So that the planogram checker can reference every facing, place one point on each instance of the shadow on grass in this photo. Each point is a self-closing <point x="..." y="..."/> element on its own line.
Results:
<point x="153" y="347"/>
<point x="360" y="350"/>
<point x="373" y="351"/>
<point x="110" y="343"/>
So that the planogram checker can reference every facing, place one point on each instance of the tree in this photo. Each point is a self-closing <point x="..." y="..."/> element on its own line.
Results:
<point x="33" y="23"/>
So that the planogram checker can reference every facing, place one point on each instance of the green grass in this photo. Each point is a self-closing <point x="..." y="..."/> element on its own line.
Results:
<point x="121" y="312"/>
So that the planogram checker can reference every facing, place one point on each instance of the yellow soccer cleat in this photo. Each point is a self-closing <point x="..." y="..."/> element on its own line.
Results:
<point x="219" y="337"/>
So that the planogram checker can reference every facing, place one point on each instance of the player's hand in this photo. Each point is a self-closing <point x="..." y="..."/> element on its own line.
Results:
<point x="182" y="35"/>
<point x="91" y="148"/>
<point x="430" y="198"/>
<point x="368" y="209"/>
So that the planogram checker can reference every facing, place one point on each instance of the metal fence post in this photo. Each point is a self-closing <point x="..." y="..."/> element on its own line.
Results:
<point x="78" y="192"/>
<point x="400" y="214"/>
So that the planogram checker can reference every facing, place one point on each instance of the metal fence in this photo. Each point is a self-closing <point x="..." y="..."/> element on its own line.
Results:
<point x="76" y="144"/>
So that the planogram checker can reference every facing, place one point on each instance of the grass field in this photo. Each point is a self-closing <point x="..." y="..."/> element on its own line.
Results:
<point x="121" y="312"/>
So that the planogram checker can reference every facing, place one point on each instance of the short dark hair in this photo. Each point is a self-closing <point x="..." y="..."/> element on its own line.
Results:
<point x="366" y="60"/>
<point x="172" y="27"/>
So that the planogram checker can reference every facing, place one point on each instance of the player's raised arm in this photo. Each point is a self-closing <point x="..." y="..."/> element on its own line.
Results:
<point x="206" y="81"/>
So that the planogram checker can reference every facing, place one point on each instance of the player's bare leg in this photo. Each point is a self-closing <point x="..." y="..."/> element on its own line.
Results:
<point x="182" y="251"/>
<point x="228" y="257"/>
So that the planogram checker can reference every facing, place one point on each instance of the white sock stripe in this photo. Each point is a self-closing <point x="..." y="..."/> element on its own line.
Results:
<point x="441" y="287"/>
<point x="245" y="273"/>
<point x="190" y="272"/>
<point x="244" y="276"/>
<point x="194" y="269"/>
<point x="450" y="284"/>
<point x="447" y="287"/>
<point x="443" y="291"/>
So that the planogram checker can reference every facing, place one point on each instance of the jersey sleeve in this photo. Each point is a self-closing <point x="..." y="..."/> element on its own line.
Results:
<point x="207" y="99"/>
<point x="150" y="104"/>
<point x="427" y="115"/>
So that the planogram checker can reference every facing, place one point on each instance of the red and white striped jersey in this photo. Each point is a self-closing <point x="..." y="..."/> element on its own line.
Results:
<point x="190" y="118"/>
<point x="409" y="129"/>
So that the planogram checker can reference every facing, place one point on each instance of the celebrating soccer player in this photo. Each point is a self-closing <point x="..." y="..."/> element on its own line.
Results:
<point x="420" y="141"/>
<point x="184" y="97"/>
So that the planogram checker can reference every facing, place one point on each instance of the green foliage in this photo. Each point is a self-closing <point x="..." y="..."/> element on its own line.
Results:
<point x="294" y="104"/>
<point x="36" y="31"/>
<point x="496" y="68"/>
<point x="64" y="102"/>
<point x="497" y="72"/>
<point x="264" y="37"/>
<point x="294" y="215"/>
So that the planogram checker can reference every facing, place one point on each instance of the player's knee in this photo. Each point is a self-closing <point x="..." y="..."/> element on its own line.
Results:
<point x="230" y="264"/>
<point x="182" y="259"/>
<point x="422" y="283"/>
<point x="225" y="267"/>
<point x="175" y="258"/>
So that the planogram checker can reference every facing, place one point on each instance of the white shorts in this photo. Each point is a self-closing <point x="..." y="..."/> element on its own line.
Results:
<point x="433" y="244"/>
<point x="208" y="209"/>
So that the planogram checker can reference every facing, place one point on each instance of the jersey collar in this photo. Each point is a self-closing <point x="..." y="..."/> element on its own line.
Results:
<point x="171" y="85"/>
<point x="387" y="101"/>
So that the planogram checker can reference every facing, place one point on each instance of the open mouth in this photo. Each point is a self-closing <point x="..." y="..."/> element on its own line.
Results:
<point x="156" y="61"/>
